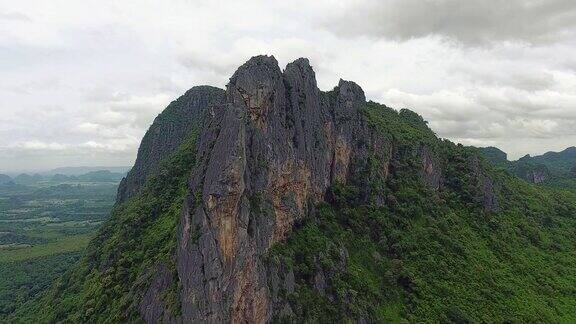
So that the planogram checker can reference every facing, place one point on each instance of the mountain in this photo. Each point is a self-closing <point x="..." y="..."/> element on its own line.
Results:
<point x="273" y="201"/>
<point x="556" y="169"/>
<point x="75" y="171"/>
<point x="4" y="179"/>
<point x="561" y="162"/>
<point x="101" y="175"/>
<point x="26" y="179"/>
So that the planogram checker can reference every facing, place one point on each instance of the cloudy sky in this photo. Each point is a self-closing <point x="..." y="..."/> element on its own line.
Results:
<point x="81" y="81"/>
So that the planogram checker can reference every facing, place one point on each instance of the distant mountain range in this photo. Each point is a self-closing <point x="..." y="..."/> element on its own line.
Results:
<point x="69" y="174"/>
<point x="557" y="169"/>
<point x="83" y="170"/>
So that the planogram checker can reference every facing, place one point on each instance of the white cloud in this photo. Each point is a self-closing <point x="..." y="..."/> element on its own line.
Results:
<point x="470" y="22"/>
<point x="82" y="81"/>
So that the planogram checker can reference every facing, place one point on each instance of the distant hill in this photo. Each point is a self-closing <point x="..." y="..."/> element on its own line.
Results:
<point x="92" y="176"/>
<point x="495" y="155"/>
<point x="58" y="177"/>
<point x="557" y="162"/>
<point x="556" y="169"/>
<point x="26" y="179"/>
<point x="69" y="171"/>
<point x="102" y="175"/>
<point x="4" y="179"/>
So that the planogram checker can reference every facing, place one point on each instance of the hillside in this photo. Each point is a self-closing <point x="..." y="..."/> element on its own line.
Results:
<point x="562" y="161"/>
<point x="275" y="201"/>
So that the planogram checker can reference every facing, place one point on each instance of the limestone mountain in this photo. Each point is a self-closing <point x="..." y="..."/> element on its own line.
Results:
<point x="551" y="168"/>
<point x="273" y="201"/>
<point x="558" y="161"/>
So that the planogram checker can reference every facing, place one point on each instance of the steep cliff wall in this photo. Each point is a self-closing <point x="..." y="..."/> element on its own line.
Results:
<point x="277" y="144"/>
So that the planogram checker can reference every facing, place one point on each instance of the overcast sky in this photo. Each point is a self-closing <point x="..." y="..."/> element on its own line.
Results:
<point x="81" y="81"/>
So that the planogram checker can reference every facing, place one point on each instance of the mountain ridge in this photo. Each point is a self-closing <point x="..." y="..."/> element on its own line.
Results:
<point x="554" y="169"/>
<point x="275" y="201"/>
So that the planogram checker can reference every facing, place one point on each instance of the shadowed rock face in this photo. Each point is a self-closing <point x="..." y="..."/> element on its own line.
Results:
<point x="535" y="174"/>
<point x="167" y="132"/>
<point x="487" y="188"/>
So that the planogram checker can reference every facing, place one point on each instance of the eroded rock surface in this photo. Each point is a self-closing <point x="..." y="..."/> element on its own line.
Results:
<point x="487" y="189"/>
<point x="275" y="146"/>
<point x="269" y="149"/>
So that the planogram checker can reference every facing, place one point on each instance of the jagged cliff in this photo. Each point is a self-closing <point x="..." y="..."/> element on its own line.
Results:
<point x="278" y="139"/>
<point x="166" y="134"/>
<point x="275" y="201"/>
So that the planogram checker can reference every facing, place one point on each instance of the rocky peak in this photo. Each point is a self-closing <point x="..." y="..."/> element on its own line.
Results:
<point x="350" y="92"/>
<point x="280" y="142"/>
<point x="300" y="73"/>
<point x="168" y="131"/>
<point x="272" y="146"/>
<point x="257" y="86"/>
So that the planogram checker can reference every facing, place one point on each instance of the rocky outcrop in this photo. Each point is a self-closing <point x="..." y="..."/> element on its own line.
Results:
<point x="486" y="188"/>
<point x="268" y="150"/>
<point x="152" y="306"/>
<point x="538" y="175"/>
<point x="269" y="153"/>
<point x="430" y="170"/>
<point x="166" y="133"/>
<point x="533" y="173"/>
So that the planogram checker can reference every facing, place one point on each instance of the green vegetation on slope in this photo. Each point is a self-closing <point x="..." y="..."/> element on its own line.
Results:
<point x="379" y="249"/>
<point x="24" y="280"/>
<point x="428" y="256"/>
<point x="140" y="234"/>
<point x="44" y="230"/>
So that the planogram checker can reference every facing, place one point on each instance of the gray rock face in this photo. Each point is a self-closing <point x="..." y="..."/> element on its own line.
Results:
<point x="167" y="132"/>
<point x="269" y="149"/>
<point x="430" y="171"/>
<point x="487" y="188"/>
<point x="269" y="152"/>
<point x="152" y="306"/>
<point x="539" y="175"/>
